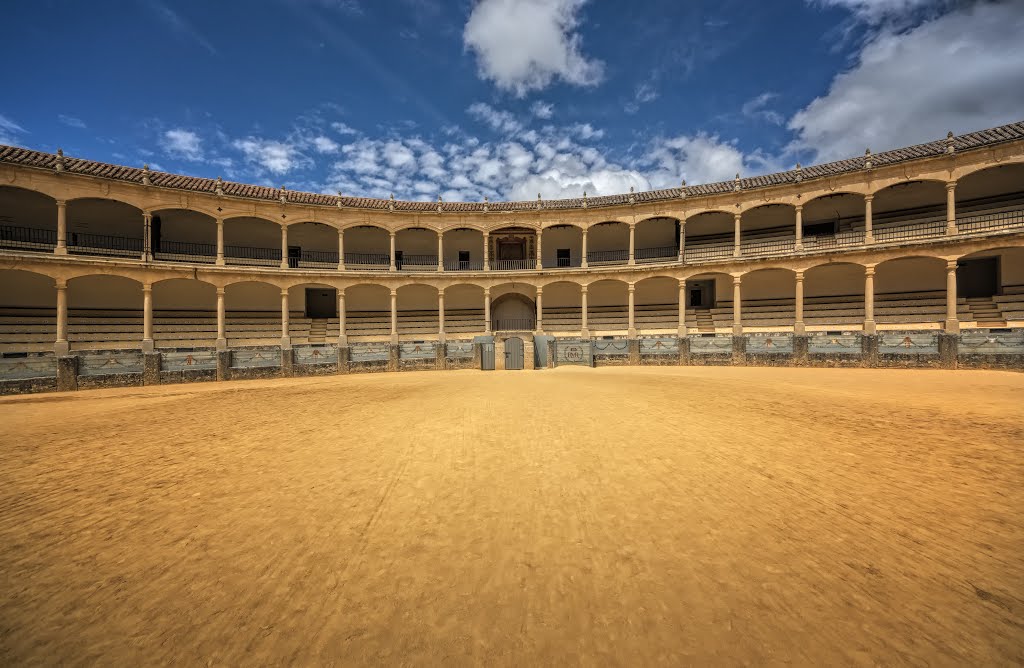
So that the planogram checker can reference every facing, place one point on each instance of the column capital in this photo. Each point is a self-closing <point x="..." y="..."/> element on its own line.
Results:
<point x="220" y="291"/>
<point x="737" y="215"/>
<point x="440" y="292"/>
<point x="394" y="292"/>
<point x="62" y="202"/>
<point x="631" y="287"/>
<point x="950" y="185"/>
<point x="147" y="287"/>
<point x="798" y="207"/>
<point x="737" y="280"/>
<point x="869" y="270"/>
<point x="583" y="289"/>
<point x="487" y="292"/>
<point x="870" y="197"/>
<point x="61" y="283"/>
<point x="951" y="265"/>
<point x="682" y="283"/>
<point x="540" y="289"/>
<point x="392" y="233"/>
<point x="284" y="292"/>
<point x="799" y="274"/>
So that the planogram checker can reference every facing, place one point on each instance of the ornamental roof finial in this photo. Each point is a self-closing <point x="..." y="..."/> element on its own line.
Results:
<point x="584" y="199"/>
<point x="391" y="202"/>
<point x="339" y="199"/>
<point x="632" y="197"/>
<point x="284" y="195"/>
<point x="219" y="189"/>
<point x="799" y="172"/>
<point x="949" y="143"/>
<point x="736" y="183"/>
<point x="145" y="175"/>
<point x="60" y="160"/>
<point x="486" y="204"/>
<point x="439" y="203"/>
<point x="868" y="163"/>
<point x="540" y="202"/>
<point x="682" y="190"/>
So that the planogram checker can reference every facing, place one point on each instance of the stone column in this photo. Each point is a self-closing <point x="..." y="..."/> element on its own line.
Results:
<point x="394" y="316"/>
<point x="540" y="247"/>
<point x="487" y="310"/>
<point x="540" y="310"/>
<point x="737" y="306"/>
<point x="682" y="308"/>
<point x="62" y="228"/>
<point x="487" y="251"/>
<point x="393" y="266"/>
<point x="584" y="331"/>
<point x="342" y="336"/>
<point x="952" y="321"/>
<point x="222" y="340"/>
<point x="440" y="316"/>
<point x="631" y="330"/>
<point x="736" y="249"/>
<point x="61" y="347"/>
<point x="798" y="324"/>
<point x="147" y="317"/>
<point x="440" y="250"/>
<point x="682" y="240"/>
<point x="286" y="341"/>
<point x="632" y="243"/>
<point x="951" y="208"/>
<point x="147" y="237"/>
<point x="869" y="300"/>
<point x="341" y="250"/>
<point x="220" y="241"/>
<point x="284" y="246"/>
<point x="583" y="260"/>
<point x="869" y="236"/>
<point x="799" y="227"/>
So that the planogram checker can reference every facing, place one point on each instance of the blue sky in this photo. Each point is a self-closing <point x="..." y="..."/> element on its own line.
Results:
<point x="501" y="98"/>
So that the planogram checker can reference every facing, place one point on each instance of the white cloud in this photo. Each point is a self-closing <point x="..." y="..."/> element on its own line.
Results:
<point x="343" y="128"/>
<point x="9" y="131"/>
<point x="274" y="156"/>
<point x="71" y="121"/>
<point x="524" y="45"/>
<point x="757" y="109"/>
<point x="184" y="144"/>
<point x="963" y="71"/>
<point x="325" y="145"/>
<point x="876" y="11"/>
<point x="502" y="121"/>
<point x="699" y="158"/>
<point x="542" y="110"/>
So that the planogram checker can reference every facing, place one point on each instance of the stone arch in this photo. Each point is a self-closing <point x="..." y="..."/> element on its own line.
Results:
<point x="563" y="306"/>
<point x="463" y="248"/>
<point x="252" y="240"/>
<point x="768" y="297"/>
<point x="464" y="308"/>
<point x="607" y="242"/>
<point x="563" y="245"/>
<point x="104" y="226"/>
<point x="312" y="245"/>
<point x="179" y="234"/>
<point x="656" y="300"/>
<point x="367" y="246"/>
<point x="656" y="239"/>
<point x="990" y="197"/>
<point x="28" y="298"/>
<point x="416" y="248"/>
<point x="709" y="234"/>
<point x="30" y="219"/>
<point x="917" y="205"/>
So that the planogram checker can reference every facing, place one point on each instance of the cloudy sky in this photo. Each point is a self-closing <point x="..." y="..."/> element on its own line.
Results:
<point x="503" y="99"/>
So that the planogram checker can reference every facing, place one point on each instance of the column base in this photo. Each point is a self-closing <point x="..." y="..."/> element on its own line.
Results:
<point x="952" y="326"/>
<point x="284" y="265"/>
<point x="583" y="265"/>
<point x="441" y="338"/>
<point x="60" y="250"/>
<point x="61" y="348"/>
<point x="951" y="230"/>
<point x="222" y="344"/>
<point x="682" y="331"/>
<point x="394" y="339"/>
<point x="286" y="343"/>
<point x="737" y="330"/>
<point x="148" y="346"/>
<point x="220" y="262"/>
<point x="869" y="238"/>
<point x="223" y="365"/>
<point x="287" y="362"/>
<point x="341" y="267"/>
<point x="799" y="245"/>
<point x="631" y="333"/>
<point x="869" y="327"/>
<point x="799" y="328"/>
<point x="343" y="341"/>
<point x="585" y="333"/>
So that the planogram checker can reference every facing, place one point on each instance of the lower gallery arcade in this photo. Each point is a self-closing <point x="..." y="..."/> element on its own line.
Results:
<point x="258" y="327"/>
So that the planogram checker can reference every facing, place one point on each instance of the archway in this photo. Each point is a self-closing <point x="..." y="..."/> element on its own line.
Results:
<point x="183" y="235"/>
<point x="910" y="291"/>
<point x="608" y="306"/>
<point x="656" y="301"/>
<point x="28" y="312"/>
<point x="562" y="307"/>
<point x="834" y="296"/>
<point x="768" y="229"/>
<point x="463" y="249"/>
<point x="562" y="247"/>
<point x="656" y="240"/>
<point x="29" y="220"/>
<point x="367" y="247"/>
<point x="367" y="312"/>
<point x="416" y="249"/>
<point x="97" y="226"/>
<point x="312" y="246"/>
<point x="104" y="312"/>
<point x="909" y="210"/>
<point x="991" y="198"/>
<point x="608" y="243"/>
<point x="464" y="309"/>
<point x="253" y="314"/>
<point x="184" y="313"/>
<point x="833" y="220"/>
<point x="418" y="311"/>
<point x="709" y="235"/>
<point x="769" y="299"/>
<point x="252" y="241"/>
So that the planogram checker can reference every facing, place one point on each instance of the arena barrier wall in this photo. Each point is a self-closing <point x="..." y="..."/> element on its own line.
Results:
<point x="22" y="373"/>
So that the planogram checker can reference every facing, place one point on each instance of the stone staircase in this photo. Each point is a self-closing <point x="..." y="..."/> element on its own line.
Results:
<point x="318" y="330"/>
<point x="985" y="312"/>
<point x="703" y="320"/>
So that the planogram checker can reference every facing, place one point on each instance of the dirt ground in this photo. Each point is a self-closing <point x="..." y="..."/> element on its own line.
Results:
<point x="630" y="516"/>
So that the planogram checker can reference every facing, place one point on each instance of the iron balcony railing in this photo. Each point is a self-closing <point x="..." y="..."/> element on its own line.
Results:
<point x="82" y="243"/>
<point x="917" y="230"/>
<point x="563" y="263"/>
<point x="463" y="265"/>
<point x="608" y="257"/>
<point x="264" y="257"/>
<point x="513" y="324"/>
<point x="768" y="247"/>
<point x="376" y="261"/>
<point x="705" y="252"/>
<point x="513" y="265"/>
<point x="657" y="254"/>
<point x="315" y="259"/>
<point x="27" y="238"/>
<point x="999" y="220"/>
<point x="839" y="239"/>
<point x="417" y="262"/>
<point x="184" y="251"/>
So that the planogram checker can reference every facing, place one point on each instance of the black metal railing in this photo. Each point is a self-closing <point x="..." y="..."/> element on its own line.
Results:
<point x="767" y="247"/>
<point x="657" y="254"/>
<point x="82" y="243"/>
<point x="608" y="257"/>
<point x="184" y="251"/>
<point x="705" y="252"/>
<point x="990" y="221"/>
<point x="513" y="324"/>
<point x="918" y="230"/>
<point x="513" y="265"/>
<point x="317" y="259"/>
<point x="377" y="261"/>
<point x="27" y="238"/>
<point x="563" y="263"/>
<point x="463" y="265"/>
<point x="267" y="257"/>
<point x="417" y="262"/>
<point x="837" y="240"/>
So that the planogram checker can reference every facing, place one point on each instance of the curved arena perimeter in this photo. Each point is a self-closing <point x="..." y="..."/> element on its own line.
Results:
<point x="116" y="275"/>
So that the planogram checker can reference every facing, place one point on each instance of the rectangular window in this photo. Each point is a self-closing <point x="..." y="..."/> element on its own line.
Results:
<point x="463" y="260"/>
<point x="562" y="257"/>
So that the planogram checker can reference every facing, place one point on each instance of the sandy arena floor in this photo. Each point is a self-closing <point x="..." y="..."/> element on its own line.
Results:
<point x="677" y="516"/>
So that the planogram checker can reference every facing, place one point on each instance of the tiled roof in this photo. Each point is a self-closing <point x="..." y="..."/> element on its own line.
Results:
<point x="971" y="140"/>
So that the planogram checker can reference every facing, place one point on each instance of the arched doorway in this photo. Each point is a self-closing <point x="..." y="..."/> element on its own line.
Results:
<point x="513" y="312"/>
